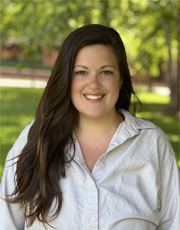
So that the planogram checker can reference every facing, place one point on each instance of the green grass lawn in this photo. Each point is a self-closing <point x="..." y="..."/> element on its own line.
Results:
<point x="18" y="107"/>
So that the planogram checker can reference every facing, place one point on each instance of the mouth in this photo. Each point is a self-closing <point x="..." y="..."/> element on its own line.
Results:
<point x="94" y="97"/>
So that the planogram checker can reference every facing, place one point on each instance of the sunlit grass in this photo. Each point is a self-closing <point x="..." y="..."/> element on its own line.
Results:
<point x="152" y="98"/>
<point x="18" y="108"/>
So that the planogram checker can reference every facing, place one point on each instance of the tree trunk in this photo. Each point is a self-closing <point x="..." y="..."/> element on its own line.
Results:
<point x="178" y="65"/>
<point x="171" y="73"/>
<point x="105" y="17"/>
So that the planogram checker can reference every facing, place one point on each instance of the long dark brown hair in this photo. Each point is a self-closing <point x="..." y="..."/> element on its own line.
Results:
<point x="42" y="161"/>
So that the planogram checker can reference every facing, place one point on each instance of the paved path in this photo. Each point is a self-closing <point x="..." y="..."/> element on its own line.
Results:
<point x="11" y="77"/>
<point x="22" y="83"/>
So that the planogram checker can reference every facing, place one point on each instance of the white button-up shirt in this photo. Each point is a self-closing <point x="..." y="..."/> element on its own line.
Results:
<point x="133" y="186"/>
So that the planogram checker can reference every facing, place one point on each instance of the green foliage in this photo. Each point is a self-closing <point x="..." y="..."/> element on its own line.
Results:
<point x="18" y="108"/>
<point x="40" y="25"/>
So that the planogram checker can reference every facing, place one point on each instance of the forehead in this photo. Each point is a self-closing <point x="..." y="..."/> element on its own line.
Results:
<point x="96" y="53"/>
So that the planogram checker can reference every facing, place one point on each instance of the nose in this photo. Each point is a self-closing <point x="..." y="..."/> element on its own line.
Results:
<point x="94" y="82"/>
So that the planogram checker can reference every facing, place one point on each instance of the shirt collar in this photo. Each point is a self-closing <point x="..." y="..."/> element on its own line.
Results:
<point x="136" y="123"/>
<point x="129" y="128"/>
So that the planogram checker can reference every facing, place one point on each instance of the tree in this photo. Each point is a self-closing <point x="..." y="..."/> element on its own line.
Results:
<point x="151" y="32"/>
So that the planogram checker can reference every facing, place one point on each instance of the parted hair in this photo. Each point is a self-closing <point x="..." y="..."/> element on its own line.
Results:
<point x="42" y="162"/>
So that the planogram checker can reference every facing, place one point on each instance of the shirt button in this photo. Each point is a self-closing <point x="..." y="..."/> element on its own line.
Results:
<point x="92" y="219"/>
<point x="92" y="185"/>
<point x="78" y="156"/>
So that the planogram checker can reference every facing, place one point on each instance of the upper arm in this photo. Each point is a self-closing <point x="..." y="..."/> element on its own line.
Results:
<point x="170" y="196"/>
<point x="12" y="215"/>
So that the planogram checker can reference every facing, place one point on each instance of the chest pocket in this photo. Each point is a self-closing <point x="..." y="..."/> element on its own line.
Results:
<point x="134" y="223"/>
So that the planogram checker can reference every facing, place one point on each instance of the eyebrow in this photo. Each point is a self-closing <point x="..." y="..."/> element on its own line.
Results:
<point x="102" y="67"/>
<point x="80" y="66"/>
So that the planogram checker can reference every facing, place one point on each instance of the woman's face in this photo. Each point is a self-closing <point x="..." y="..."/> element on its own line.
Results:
<point x="96" y="82"/>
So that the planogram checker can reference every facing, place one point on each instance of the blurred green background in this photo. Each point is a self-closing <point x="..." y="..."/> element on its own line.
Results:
<point x="32" y="32"/>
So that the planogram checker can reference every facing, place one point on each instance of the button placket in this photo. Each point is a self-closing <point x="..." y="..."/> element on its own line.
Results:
<point x="92" y="205"/>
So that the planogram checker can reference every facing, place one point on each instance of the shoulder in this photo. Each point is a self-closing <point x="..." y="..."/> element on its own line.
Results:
<point x="20" y="142"/>
<point x="150" y="140"/>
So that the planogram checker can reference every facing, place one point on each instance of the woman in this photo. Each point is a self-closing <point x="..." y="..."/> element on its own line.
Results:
<point x="85" y="162"/>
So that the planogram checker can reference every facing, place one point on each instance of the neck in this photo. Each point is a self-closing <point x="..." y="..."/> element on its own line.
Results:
<point x="99" y="126"/>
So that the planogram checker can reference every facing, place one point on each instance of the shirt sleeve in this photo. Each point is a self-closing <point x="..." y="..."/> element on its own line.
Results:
<point x="170" y="190"/>
<point x="12" y="215"/>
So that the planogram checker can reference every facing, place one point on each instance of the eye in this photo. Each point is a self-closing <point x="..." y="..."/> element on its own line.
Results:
<point x="81" y="73"/>
<point x="106" y="72"/>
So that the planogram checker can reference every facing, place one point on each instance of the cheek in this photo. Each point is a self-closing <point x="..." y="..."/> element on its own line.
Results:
<point x="113" y="85"/>
<point x="76" y="87"/>
<point x="114" y="89"/>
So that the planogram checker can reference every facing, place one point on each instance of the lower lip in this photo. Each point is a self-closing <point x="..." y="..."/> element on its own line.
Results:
<point x="94" y="100"/>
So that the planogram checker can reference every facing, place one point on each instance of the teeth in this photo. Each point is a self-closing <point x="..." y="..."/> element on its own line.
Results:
<point x="93" y="97"/>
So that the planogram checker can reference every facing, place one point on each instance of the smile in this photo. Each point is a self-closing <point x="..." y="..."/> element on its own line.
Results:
<point x="94" y="97"/>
